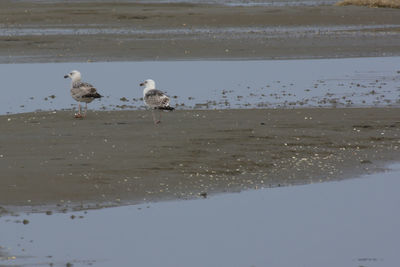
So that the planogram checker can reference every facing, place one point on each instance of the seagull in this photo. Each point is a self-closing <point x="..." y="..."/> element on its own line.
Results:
<point x="155" y="99"/>
<point x="81" y="91"/>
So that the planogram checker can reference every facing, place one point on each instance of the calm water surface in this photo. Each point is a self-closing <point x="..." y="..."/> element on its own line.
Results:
<point x="350" y="82"/>
<point x="350" y="223"/>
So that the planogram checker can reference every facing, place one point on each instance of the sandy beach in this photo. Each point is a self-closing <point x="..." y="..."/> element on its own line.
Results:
<point x="109" y="31"/>
<point x="243" y="122"/>
<point x="120" y="157"/>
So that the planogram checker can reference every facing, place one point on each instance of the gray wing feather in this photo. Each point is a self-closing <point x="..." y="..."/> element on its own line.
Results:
<point x="82" y="91"/>
<point x="156" y="98"/>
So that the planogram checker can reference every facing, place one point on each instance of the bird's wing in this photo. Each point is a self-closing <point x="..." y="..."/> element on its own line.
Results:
<point x="82" y="89"/>
<point x="156" y="98"/>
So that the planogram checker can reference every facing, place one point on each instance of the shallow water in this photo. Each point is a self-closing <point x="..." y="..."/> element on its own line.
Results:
<point x="215" y="33"/>
<point x="351" y="82"/>
<point x="349" y="223"/>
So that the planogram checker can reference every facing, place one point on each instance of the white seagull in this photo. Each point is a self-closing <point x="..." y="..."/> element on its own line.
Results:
<point x="155" y="99"/>
<point x="81" y="91"/>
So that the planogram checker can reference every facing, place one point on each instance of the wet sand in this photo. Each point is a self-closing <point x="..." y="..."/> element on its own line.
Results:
<point x="79" y="32"/>
<point x="120" y="157"/>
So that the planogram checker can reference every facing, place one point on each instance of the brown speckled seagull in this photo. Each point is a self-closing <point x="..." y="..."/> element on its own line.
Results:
<point x="155" y="99"/>
<point x="81" y="91"/>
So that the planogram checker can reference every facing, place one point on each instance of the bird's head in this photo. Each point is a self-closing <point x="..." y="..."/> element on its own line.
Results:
<point x="74" y="75"/>
<point x="149" y="83"/>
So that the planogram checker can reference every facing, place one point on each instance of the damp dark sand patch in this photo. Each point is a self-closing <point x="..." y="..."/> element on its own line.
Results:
<point x="120" y="157"/>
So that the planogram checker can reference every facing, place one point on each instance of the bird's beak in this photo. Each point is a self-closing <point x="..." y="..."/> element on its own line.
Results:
<point x="66" y="76"/>
<point x="142" y="84"/>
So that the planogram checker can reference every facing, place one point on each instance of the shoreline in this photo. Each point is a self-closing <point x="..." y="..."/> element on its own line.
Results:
<point x="43" y="60"/>
<point x="119" y="157"/>
<point x="69" y="206"/>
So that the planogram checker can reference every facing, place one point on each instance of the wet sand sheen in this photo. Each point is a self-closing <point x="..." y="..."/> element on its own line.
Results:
<point x="121" y="157"/>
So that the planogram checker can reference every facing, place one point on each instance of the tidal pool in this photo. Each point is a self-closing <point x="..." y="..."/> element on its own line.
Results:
<point x="351" y="82"/>
<point x="348" y="223"/>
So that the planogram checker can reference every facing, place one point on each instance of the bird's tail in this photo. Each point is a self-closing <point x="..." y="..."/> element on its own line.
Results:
<point x="166" y="108"/>
<point x="94" y="95"/>
<point x="97" y="95"/>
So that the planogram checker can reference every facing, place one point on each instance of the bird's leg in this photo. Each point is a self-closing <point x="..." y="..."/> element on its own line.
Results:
<point x="154" y="116"/>
<point x="79" y="115"/>
<point x="160" y="112"/>
<point x="84" y="115"/>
